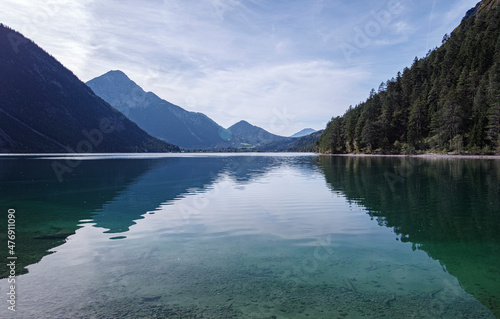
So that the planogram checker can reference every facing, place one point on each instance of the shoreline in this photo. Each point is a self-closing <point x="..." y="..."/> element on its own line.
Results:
<point x="173" y="154"/>
<point x="427" y="155"/>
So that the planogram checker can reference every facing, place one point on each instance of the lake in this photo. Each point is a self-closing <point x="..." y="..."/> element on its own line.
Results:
<point x="250" y="236"/>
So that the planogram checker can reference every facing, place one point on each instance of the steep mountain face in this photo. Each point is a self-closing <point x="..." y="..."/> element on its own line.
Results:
<point x="448" y="101"/>
<point x="252" y="134"/>
<point x="158" y="117"/>
<point x="304" y="132"/>
<point x="44" y="107"/>
<point x="482" y="6"/>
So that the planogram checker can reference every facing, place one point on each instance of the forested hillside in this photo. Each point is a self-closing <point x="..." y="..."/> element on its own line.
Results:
<point x="448" y="101"/>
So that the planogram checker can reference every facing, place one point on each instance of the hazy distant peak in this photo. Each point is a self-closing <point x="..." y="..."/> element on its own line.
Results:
<point x="253" y="134"/>
<point x="116" y="73"/>
<point x="304" y="132"/>
<point x="241" y="123"/>
<point x="115" y="76"/>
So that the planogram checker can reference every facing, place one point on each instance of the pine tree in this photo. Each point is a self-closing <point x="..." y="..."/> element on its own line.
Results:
<point x="446" y="100"/>
<point x="416" y="122"/>
<point x="479" y="118"/>
<point x="493" y="98"/>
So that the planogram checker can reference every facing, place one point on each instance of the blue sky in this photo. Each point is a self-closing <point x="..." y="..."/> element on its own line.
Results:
<point x="282" y="65"/>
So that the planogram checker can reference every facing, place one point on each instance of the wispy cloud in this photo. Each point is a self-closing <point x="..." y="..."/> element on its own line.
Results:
<point x="259" y="94"/>
<point x="457" y="11"/>
<point x="239" y="59"/>
<point x="60" y="27"/>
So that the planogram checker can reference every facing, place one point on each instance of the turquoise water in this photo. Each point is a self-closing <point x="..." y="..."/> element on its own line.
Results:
<point x="252" y="236"/>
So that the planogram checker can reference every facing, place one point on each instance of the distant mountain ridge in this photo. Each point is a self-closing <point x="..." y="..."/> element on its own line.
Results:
<point x="306" y="143"/>
<point x="189" y="130"/>
<point x="304" y="132"/>
<point x="44" y="107"/>
<point x="252" y="134"/>
<point x="158" y="117"/>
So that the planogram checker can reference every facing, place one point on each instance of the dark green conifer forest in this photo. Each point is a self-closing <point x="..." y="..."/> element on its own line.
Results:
<point x="447" y="101"/>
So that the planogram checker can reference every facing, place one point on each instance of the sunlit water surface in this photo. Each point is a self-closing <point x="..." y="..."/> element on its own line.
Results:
<point x="253" y="236"/>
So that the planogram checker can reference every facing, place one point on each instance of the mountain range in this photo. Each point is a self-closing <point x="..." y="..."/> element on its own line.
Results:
<point x="172" y="123"/>
<point x="44" y="107"/>
<point x="253" y="135"/>
<point x="158" y="117"/>
<point x="304" y="132"/>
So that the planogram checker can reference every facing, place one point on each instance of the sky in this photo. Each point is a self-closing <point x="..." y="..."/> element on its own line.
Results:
<point x="283" y="65"/>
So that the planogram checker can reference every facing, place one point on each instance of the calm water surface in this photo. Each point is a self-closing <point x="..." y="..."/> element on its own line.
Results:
<point x="252" y="236"/>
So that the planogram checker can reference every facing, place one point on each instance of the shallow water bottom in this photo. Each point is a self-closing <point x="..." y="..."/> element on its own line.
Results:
<point x="246" y="276"/>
